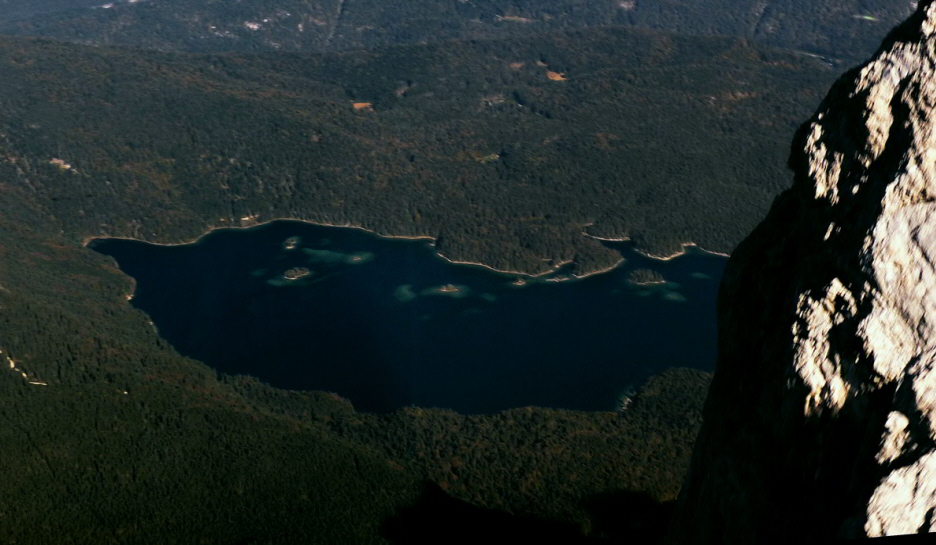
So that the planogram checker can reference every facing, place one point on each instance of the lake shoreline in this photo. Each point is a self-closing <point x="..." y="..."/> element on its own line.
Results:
<point x="432" y="240"/>
<point x="417" y="329"/>
<point x="684" y="248"/>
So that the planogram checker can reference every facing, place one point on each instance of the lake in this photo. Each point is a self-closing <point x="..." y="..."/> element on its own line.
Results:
<point x="388" y="323"/>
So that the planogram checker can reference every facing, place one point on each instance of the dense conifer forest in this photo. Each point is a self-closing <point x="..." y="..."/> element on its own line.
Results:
<point x="113" y="437"/>
<point x="513" y="134"/>
<point x="510" y="153"/>
<point x="839" y="29"/>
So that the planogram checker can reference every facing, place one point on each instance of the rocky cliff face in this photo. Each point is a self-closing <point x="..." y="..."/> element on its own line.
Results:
<point x="821" y="418"/>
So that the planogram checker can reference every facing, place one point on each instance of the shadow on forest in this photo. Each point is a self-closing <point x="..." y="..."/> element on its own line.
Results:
<point x="618" y="517"/>
<point x="623" y="516"/>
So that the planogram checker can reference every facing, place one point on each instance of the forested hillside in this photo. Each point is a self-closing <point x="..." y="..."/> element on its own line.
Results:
<point x="17" y="10"/>
<point x="841" y="29"/>
<point x="506" y="151"/>
<point x="110" y="437"/>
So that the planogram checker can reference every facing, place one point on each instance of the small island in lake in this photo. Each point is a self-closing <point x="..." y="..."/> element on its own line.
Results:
<point x="361" y="257"/>
<point x="450" y="290"/>
<point x="645" y="277"/>
<point x="292" y="243"/>
<point x="296" y="273"/>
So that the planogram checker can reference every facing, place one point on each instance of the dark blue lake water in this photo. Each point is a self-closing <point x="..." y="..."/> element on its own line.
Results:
<point x="387" y="323"/>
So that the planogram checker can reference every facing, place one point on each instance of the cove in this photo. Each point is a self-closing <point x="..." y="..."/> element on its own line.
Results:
<point x="387" y="323"/>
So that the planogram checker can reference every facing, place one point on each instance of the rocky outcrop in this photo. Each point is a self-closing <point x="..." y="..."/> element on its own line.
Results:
<point x="821" y="418"/>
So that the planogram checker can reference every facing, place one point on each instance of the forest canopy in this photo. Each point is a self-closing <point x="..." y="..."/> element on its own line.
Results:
<point x="510" y="147"/>
<point x="846" y="30"/>
<point x="649" y="136"/>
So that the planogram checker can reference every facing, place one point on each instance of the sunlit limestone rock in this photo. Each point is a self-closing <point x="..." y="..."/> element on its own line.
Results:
<point x="821" y="418"/>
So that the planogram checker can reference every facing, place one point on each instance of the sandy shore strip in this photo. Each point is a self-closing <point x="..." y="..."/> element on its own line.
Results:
<point x="600" y="271"/>
<point x="685" y="247"/>
<point x="682" y="251"/>
<point x="252" y="224"/>
<point x="86" y="240"/>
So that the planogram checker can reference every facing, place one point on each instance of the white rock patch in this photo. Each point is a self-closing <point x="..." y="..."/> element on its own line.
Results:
<point x="899" y="505"/>
<point x="898" y="335"/>
<point x="814" y="360"/>
<point x="895" y="437"/>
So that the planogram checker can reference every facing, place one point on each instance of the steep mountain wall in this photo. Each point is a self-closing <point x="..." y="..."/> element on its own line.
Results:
<point x="821" y="418"/>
